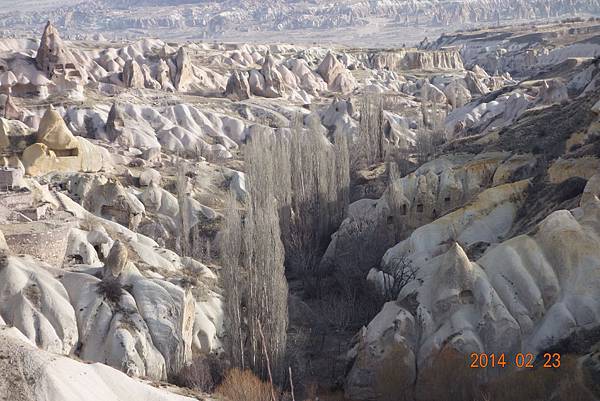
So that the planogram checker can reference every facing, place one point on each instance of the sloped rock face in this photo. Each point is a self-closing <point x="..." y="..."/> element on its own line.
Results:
<point x="522" y="295"/>
<point x="143" y="326"/>
<point x="57" y="149"/>
<point x="238" y="87"/>
<point x="115" y="122"/>
<point x="163" y="76"/>
<point x="338" y="78"/>
<point x="411" y="59"/>
<point x="169" y="312"/>
<point x="11" y="111"/>
<point x="273" y="81"/>
<point x="14" y="136"/>
<point x="34" y="301"/>
<point x="133" y="77"/>
<point x="112" y="202"/>
<point x="53" y="132"/>
<point x="53" y="376"/>
<point x="128" y="345"/>
<point x="52" y="51"/>
<point x="553" y="91"/>
<point x="184" y="73"/>
<point x="421" y="197"/>
<point x="475" y="84"/>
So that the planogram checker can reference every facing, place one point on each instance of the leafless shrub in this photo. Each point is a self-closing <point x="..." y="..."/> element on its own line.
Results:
<point x="397" y="273"/>
<point x="3" y="259"/>
<point x="203" y="374"/>
<point x="369" y="148"/>
<point x="112" y="290"/>
<point x="243" y="385"/>
<point x="253" y="271"/>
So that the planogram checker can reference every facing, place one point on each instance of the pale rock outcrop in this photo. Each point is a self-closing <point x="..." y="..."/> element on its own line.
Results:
<point x="412" y="59"/>
<point x="113" y="202"/>
<point x="14" y="136"/>
<point x="495" y="114"/>
<point x="274" y="86"/>
<point x="238" y="87"/>
<point x="421" y="197"/>
<point x="89" y="247"/>
<point x="184" y="74"/>
<point x="169" y="312"/>
<point x="149" y="81"/>
<point x="480" y="72"/>
<point x="133" y="77"/>
<point x="431" y="93"/>
<point x="11" y="111"/>
<point x="343" y="83"/>
<point x="457" y="94"/>
<point x="553" y="91"/>
<point x="522" y="295"/>
<point x="33" y="301"/>
<point x="115" y="261"/>
<point x="116" y="335"/>
<point x="149" y="177"/>
<point x="56" y="149"/>
<point x="475" y="84"/>
<point x="50" y="372"/>
<point x="52" y="51"/>
<point x="163" y="76"/>
<point x="338" y="78"/>
<point x="330" y="68"/>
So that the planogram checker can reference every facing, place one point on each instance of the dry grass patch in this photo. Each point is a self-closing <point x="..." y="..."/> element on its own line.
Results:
<point x="243" y="385"/>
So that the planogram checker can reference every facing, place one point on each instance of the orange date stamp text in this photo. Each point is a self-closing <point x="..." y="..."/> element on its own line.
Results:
<point x="520" y="360"/>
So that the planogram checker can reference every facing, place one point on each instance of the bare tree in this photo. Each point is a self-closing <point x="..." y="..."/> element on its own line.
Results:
<point x="182" y="185"/>
<point x="298" y="194"/>
<point x="369" y="147"/>
<point x="397" y="273"/>
<point x="431" y="132"/>
<point x="233" y="278"/>
<point x="267" y="292"/>
<point x="253" y="262"/>
<point x="319" y="191"/>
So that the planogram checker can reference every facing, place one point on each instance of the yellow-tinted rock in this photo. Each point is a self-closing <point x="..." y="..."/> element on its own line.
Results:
<point x="38" y="159"/>
<point x="14" y="135"/>
<point x="57" y="149"/>
<point x="563" y="169"/>
<point x="53" y="132"/>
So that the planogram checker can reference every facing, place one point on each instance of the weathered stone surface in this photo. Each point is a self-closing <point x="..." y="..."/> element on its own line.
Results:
<point x="184" y="73"/>
<point x="52" y="51"/>
<point x="133" y="77"/>
<point x="34" y="302"/>
<point x="57" y="149"/>
<point x="115" y="261"/>
<point x="238" y="87"/>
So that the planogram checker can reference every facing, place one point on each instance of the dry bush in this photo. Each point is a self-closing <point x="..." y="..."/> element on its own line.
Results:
<point x="395" y="378"/>
<point x="562" y="384"/>
<point x="397" y="274"/>
<point x="449" y="378"/>
<point x="203" y="374"/>
<point x="3" y="259"/>
<point x="243" y="385"/>
<point x="110" y="289"/>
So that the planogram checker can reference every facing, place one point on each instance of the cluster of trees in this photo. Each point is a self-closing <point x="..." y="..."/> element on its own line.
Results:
<point x="297" y="182"/>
